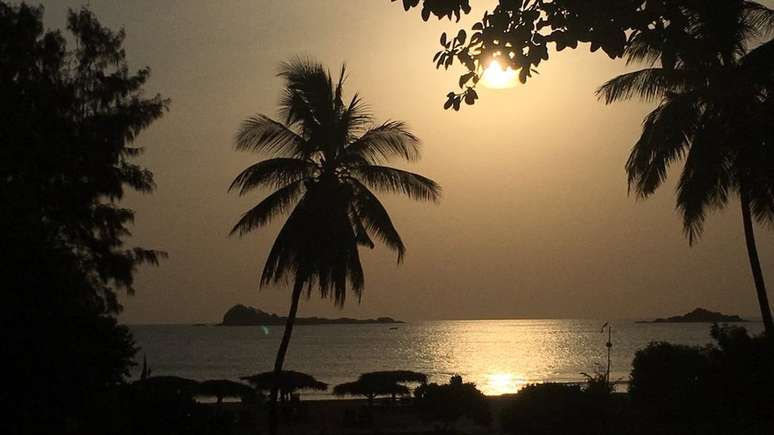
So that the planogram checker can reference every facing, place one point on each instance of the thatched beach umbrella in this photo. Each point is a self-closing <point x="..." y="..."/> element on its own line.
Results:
<point x="381" y="383"/>
<point x="168" y="385"/>
<point x="222" y="388"/>
<point x="371" y="388"/>
<point x="395" y="376"/>
<point x="287" y="382"/>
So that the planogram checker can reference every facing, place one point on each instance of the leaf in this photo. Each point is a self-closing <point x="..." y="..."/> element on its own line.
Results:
<point x="523" y="74"/>
<point x="465" y="78"/>
<point x="441" y="60"/>
<point x="466" y="60"/>
<point x="443" y="39"/>
<point x="470" y="98"/>
<point x="461" y="36"/>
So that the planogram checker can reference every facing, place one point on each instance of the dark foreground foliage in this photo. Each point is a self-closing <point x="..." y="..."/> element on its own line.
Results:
<point x="724" y="388"/>
<point x="555" y="408"/>
<point x="69" y="117"/>
<point x="450" y="402"/>
<point x="128" y="410"/>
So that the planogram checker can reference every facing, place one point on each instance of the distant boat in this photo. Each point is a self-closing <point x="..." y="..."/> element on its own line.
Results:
<point x="393" y="328"/>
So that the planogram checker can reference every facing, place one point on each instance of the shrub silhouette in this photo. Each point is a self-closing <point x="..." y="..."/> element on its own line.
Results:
<point x="669" y="379"/>
<point x="742" y="377"/>
<point x="722" y="388"/>
<point x="553" y="409"/>
<point x="448" y="402"/>
<point x="598" y="386"/>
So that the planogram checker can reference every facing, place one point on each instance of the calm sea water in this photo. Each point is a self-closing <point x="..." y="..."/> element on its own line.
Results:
<point x="500" y="356"/>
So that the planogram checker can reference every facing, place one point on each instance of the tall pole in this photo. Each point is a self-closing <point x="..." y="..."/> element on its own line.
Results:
<point x="609" y="345"/>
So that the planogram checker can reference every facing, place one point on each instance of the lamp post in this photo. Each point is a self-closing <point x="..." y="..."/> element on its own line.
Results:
<point x="609" y="346"/>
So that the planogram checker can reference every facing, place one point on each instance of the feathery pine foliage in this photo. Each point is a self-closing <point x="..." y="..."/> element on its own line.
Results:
<point x="69" y="118"/>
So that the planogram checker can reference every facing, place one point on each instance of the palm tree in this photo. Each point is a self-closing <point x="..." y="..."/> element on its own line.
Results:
<point x="714" y="114"/>
<point x="326" y="159"/>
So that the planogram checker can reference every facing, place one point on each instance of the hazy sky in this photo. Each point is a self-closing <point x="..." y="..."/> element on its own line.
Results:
<point x="535" y="219"/>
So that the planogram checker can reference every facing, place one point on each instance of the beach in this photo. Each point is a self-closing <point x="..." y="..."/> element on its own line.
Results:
<point x="350" y="416"/>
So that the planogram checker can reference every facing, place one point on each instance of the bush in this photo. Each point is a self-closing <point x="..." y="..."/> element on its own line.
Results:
<point x="554" y="409"/>
<point x="742" y="374"/>
<point x="598" y="386"/>
<point x="725" y="387"/>
<point x="669" y="379"/>
<point x="449" y="402"/>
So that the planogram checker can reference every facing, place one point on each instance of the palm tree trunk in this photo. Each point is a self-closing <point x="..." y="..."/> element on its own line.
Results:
<point x="755" y="265"/>
<point x="283" y="350"/>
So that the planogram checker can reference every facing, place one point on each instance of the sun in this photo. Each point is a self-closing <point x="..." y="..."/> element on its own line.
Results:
<point x="497" y="77"/>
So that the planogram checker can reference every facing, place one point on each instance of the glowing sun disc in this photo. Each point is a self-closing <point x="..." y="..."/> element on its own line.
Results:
<point x="497" y="77"/>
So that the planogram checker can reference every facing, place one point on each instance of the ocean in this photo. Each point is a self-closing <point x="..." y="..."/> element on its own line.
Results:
<point x="500" y="356"/>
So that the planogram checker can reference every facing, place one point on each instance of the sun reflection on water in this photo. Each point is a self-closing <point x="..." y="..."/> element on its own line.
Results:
<point x="502" y="383"/>
<point x="502" y="357"/>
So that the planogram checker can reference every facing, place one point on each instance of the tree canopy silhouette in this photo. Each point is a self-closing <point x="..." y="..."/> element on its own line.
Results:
<point x="521" y="34"/>
<point x="715" y="113"/>
<point x="327" y="157"/>
<point x="714" y="93"/>
<point x="69" y="119"/>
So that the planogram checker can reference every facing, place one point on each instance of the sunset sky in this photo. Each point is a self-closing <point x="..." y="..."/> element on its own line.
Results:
<point x="535" y="220"/>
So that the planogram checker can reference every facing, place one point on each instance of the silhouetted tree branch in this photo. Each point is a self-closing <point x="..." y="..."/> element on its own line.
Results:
<point x="521" y="34"/>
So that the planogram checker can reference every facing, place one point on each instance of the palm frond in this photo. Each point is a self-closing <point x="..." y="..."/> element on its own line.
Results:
<point x="317" y="247"/>
<point x="297" y="112"/>
<point x="262" y="134"/>
<point x="338" y="92"/>
<point x="376" y="220"/>
<point x="762" y="202"/>
<point x="360" y="231"/>
<point x="285" y="257"/>
<point x="337" y="258"/>
<point x="273" y="205"/>
<point x="381" y="143"/>
<point x="760" y="60"/>
<point x="393" y="180"/>
<point x="664" y="140"/>
<point x="355" y="276"/>
<point x="759" y="17"/>
<point x="275" y="173"/>
<point x="759" y="153"/>
<point x="309" y="93"/>
<point x="706" y="179"/>
<point x="648" y="84"/>
<point x="356" y="116"/>
<point x="644" y="47"/>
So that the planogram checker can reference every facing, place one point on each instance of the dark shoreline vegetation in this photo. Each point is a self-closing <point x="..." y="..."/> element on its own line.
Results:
<point x="673" y="389"/>
<point x="72" y="113"/>
<point x="241" y="315"/>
